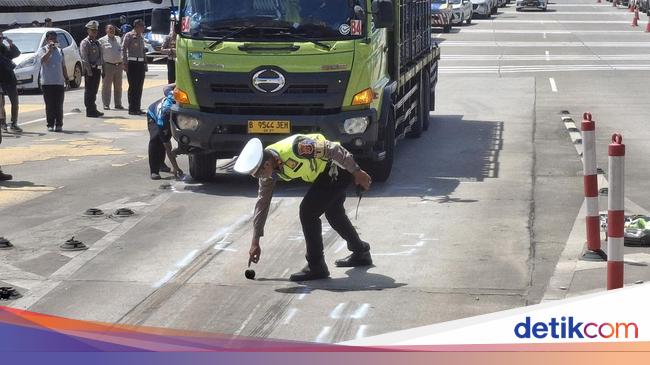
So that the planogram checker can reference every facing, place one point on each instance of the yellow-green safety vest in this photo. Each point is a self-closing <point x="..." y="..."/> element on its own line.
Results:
<point x="295" y="166"/>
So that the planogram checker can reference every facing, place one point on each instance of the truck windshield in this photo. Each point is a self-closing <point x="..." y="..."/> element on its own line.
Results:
<point x="316" y="19"/>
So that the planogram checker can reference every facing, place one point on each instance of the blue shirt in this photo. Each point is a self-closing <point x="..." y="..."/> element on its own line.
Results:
<point x="52" y="70"/>
<point x="160" y="111"/>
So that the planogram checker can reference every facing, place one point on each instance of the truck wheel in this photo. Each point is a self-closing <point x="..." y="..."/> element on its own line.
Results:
<point x="380" y="170"/>
<point x="203" y="166"/>
<point x="446" y="28"/>
<point x="427" y="100"/>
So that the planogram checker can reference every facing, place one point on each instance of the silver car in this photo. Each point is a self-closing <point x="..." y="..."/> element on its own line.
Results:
<point x="461" y="12"/>
<point x="482" y="8"/>
<point x="534" y="4"/>
<point x="28" y="66"/>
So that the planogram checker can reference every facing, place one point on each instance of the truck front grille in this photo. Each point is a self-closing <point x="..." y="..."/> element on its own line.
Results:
<point x="270" y="109"/>
<point x="246" y="89"/>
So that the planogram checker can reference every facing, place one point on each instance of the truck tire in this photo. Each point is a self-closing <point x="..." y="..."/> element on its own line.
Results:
<point x="446" y="28"/>
<point x="203" y="166"/>
<point x="380" y="170"/>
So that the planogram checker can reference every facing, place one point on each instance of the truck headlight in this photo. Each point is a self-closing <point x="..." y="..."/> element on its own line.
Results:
<point x="187" y="123"/>
<point x="355" y="125"/>
<point x="31" y="61"/>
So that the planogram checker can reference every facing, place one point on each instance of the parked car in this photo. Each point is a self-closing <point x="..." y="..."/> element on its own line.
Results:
<point x="502" y="3"/>
<point x="535" y="4"/>
<point x="28" y="66"/>
<point x="441" y="12"/>
<point x="461" y="12"/>
<point x="482" y="8"/>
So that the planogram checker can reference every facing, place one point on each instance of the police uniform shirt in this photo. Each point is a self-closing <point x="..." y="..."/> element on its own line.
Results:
<point x="325" y="150"/>
<point x="91" y="53"/>
<point x="133" y="47"/>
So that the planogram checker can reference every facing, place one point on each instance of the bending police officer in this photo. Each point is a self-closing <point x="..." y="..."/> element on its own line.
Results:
<point x="330" y="168"/>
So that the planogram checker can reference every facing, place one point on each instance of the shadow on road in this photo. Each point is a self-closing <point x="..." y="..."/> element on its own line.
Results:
<point x="454" y="150"/>
<point x="14" y="184"/>
<point x="359" y="279"/>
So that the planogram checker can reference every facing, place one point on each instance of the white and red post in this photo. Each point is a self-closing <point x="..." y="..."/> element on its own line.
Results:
<point x="616" y="213"/>
<point x="592" y="220"/>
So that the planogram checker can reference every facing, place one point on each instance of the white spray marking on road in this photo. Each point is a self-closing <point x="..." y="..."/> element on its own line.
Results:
<point x="304" y="292"/>
<point x="361" y="311"/>
<point x="342" y="245"/>
<point x="548" y="56"/>
<point x="336" y="312"/>
<point x="248" y="319"/>
<point x="403" y="253"/>
<point x="553" y="85"/>
<point x="166" y="278"/>
<point x="187" y="259"/>
<point x="290" y="313"/>
<point x="285" y="272"/>
<point x="544" y="35"/>
<point x="417" y="244"/>
<point x="322" y="336"/>
<point x="223" y="232"/>
<point x="361" y="332"/>
<point x="43" y="119"/>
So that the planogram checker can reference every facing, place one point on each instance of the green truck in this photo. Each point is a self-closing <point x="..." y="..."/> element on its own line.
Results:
<point x="361" y="72"/>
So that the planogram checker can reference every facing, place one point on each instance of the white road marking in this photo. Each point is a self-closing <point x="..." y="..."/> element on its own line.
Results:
<point x="553" y="85"/>
<point x="518" y="44"/>
<point x="556" y="21"/>
<point x="336" y="312"/>
<point x="539" y="68"/>
<point x="304" y="291"/>
<point x="289" y="316"/>
<point x="361" y="332"/>
<point x="361" y="311"/>
<point x="248" y="319"/>
<point x="284" y="273"/>
<point x="187" y="259"/>
<point x="341" y="246"/>
<point x="403" y="253"/>
<point x="219" y="247"/>
<point x="537" y="31"/>
<point x="43" y="119"/>
<point x="322" y="336"/>
<point x="548" y="56"/>
<point x="544" y="35"/>
<point x="165" y="279"/>
<point x="417" y="244"/>
<point x="538" y="57"/>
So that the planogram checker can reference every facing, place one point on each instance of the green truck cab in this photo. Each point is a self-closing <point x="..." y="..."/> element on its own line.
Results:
<point x="361" y="72"/>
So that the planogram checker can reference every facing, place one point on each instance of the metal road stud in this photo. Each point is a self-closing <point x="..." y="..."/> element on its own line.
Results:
<point x="616" y="213"/>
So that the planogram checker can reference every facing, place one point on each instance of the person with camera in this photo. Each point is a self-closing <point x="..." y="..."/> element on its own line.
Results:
<point x="53" y="80"/>
<point x="8" y="82"/>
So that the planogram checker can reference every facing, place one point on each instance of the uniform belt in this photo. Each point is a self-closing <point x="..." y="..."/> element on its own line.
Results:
<point x="114" y="64"/>
<point x="137" y="59"/>
<point x="98" y="67"/>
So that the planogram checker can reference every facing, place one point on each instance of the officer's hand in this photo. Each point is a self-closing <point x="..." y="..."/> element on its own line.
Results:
<point x="362" y="179"/>
<point x="255" y="251"/>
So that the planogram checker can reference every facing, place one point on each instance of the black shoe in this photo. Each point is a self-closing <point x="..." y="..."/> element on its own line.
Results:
<point x="355" y="259"/>
<point x="50" y="129"/>
<point x="155" y="176"/>
<point x="58" y="128"/>
<point x="313" y="271"/>
<point x="94" y="114"/>
<point x="119" y="107"/>
<point x="5" y="177"/>
<point x="106" y="107"/>
<point x="3" y="125"/>
<point x="15" y="128"/>
<point x="165" y="168"/>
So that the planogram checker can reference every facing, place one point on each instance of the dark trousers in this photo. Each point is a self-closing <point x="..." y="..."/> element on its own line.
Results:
<point x="91" y="89"/>
<point x="156" y="147"/>
<point x="53" y="96"/>
<point x="326" y="196"/>
<point x="9" y="88"/>
<point x="171" y="71"/>
<point x="135" y="75"/>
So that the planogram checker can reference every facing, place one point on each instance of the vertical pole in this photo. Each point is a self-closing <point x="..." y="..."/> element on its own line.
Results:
<point x="592" y="220"/>
<point x="616" y="213"/>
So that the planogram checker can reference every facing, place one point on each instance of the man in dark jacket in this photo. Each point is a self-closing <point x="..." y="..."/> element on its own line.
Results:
<point x="8" y="82"/>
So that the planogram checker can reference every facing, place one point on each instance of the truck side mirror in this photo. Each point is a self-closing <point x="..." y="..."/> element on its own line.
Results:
<point x="160" y="21"/>
<point x="383" y="14"/>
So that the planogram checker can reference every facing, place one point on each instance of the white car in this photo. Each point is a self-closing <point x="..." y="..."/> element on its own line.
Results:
<point x="482" y="8"/>
<point x="28" y="66"/>
<point x="461" y="11"/>
<point x="535" y="4"/>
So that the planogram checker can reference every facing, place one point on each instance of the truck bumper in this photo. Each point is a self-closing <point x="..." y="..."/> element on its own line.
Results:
<point x="226" y="134"/>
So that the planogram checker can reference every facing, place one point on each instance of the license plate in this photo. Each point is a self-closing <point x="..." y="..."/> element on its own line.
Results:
<point x="269" y="126"/>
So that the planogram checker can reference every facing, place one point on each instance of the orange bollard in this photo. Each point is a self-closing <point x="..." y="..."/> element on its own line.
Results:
<point x="635" y="20"/>
<point x="647" y="28"/>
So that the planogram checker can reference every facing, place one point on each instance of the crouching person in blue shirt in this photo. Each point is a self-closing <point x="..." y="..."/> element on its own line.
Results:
<point x="160" y="135"/>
